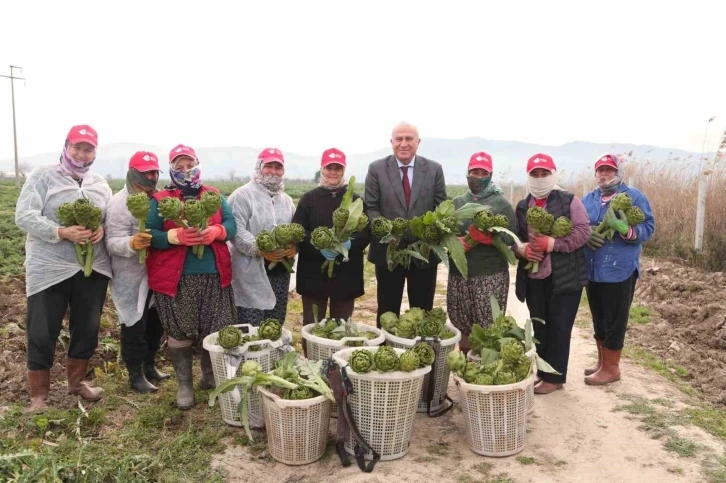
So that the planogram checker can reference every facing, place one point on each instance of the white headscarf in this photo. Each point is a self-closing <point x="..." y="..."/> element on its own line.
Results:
<point x="272" y="183"/>
<point x="541" y="187"/>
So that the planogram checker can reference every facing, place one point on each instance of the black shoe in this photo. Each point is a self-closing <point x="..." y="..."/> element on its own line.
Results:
<point x="138" y="381"/>
<point x="150" y="371"/>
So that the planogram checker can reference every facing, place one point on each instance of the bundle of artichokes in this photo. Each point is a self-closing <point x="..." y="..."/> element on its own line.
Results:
<point x="336" y="329"/>
<point x="84" y="213"/>
<point x="416" y="322"/>
<point x="138" y="206"/>
<point x="385" y="359"/>
<point x="622" y="204"/>
<point x="282" y="237"/>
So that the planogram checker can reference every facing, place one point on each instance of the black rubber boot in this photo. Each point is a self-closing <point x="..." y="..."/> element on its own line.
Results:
<point x="138" y="381"/>
<point x="207" y="381"/>
<point x="152" y="374"/>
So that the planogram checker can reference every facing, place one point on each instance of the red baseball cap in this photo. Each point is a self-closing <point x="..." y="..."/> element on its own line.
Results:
<point x="481" y="160"/>
<point x="271" y="155"/>
<point x="608" y="160"/>
<point x="181" y="150"/>
<point x="143" y="161"/>
<point x="332" y="156"/>
<point x="83" y="134"/>
<point x="541" y="161"/>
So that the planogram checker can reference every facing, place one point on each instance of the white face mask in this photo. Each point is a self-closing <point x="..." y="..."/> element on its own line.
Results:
<point x="541" y="187"/>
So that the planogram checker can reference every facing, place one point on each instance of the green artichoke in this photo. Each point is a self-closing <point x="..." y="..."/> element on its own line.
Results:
<point x="438" y="314"/>
<point x="389" y="321"/>
<point x="211" y="203"/>
<point x="265" y="241"/>
<point x="450" y="222"/>
<point x="621" y="202"/>
<point x="431" y="234"/>
<point x="540" y="221"/>
<point x="194" y="212"/>
<point x="319" y="332"/>
<point x="297" y="232"/>
<point x="300" y="392"/>
<point x="511" y="352"/>
<point x="399" y="226"/>
<point x="171" y="209"/>
<point x="522" y="368"/>
<point x="361" y="361"/>
<point x="380" y="227"/>
<point x="635" y="215"/>
<point x="369" y="334"/>
<point x="386" y="359"/>
<point x="322" y="237"/>
<point x="425" y="352"/>
<point x="270" y="329"/>
<point x="483" y="220"/>
<point x="406" y="328"/>
<point x="362" y="222"/>
<point x="562" y="227"/>
<point x="430" y="327"/>
<point x="83" y="211"/>
<point x="482" y="379"/>
<point x="96" y="218"/>
<point x="471" y="370"/>
<point x="446" y="334"/>
<point x="409" y="361"/>
<point x="456" y="361"/>
<point x="65" y="214"/>
<point x="501" y="221"/>
<point x="505" y="377"/>
<point x="331" y="325"/>
<point x="340" y="218"/>
<point x="251" y="368"/>
<point x="229" y="337"/>
<point x="283" y="235"/>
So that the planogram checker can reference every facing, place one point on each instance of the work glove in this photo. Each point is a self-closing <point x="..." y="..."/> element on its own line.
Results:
<point x="464" y="244"/>
<point x="483" y="238"/>
<point x="619" y="224"/>
<point x="139" y="241"/>
<point x="531" y="254"/>
<point x="596" y="239"/>
<point x="213" y="233"/>
<point x="329" y="254"/>
<point x="542" y="243"/>
<point x="184" y="236"/>
<point x="273" y="256"/>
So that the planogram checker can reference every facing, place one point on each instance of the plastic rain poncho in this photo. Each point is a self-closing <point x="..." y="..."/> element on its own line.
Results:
<point x="129" y="286"/>
<point x="49" y="259"/>
<point x="254" y="210"/>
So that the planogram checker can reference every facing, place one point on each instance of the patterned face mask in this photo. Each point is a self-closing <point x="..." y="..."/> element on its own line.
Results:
<point x="189" y="179"/>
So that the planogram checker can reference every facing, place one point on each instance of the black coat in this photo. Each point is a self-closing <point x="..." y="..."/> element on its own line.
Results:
<point x="315" y="209"/>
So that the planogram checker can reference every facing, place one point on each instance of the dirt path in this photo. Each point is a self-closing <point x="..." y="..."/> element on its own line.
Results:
<point x="579" y="434"/>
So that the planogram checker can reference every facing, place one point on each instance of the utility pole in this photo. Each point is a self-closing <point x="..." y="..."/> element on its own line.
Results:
<point x="702" y="191"/>
<point x="15" y="131"/>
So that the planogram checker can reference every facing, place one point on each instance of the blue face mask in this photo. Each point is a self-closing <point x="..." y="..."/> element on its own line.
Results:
<point x="477" y="185"/>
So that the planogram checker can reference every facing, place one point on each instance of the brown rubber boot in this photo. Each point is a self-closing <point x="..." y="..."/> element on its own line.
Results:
<point x="76" y="370"/>
<point x="39" y="382"/>
<point x="596" y="367"/>
<point x="610" y="370"/>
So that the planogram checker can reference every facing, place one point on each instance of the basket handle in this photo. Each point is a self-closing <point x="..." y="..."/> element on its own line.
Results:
<point x="431" y="385"/>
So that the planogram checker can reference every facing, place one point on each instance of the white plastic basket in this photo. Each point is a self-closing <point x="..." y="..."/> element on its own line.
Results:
<point x="471" y="356"/>
<point x="267" y="357"/>
<point x="383" y="405"/>
<point x="495" y="416"/>
<point x="320" y="348"/>
<point x="297" y="430"/>
<point x="442" y="370"/>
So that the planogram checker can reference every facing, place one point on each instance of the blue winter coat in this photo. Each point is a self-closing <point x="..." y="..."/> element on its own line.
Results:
<point x="616" y="260"/>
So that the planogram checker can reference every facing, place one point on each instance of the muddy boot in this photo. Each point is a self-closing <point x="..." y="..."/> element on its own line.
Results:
<point x="207" y="381"/>
<point x="609" y="371"/>
<point x="39" y="382"/>
<point x="596" y="367"/>
<point x="76" y="371"/>
<point x="138" y="381"/>
<point x="150" y="371"/>
<point x="181" y="359"/>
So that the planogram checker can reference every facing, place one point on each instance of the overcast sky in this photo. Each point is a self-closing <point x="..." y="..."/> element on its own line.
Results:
<point x="307" y="75"/>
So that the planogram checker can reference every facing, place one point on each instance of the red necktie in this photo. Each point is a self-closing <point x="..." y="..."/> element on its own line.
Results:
<point x="406" y="185"/>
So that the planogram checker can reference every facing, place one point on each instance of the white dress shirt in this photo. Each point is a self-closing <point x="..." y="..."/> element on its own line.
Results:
<point x="410" y="170"/>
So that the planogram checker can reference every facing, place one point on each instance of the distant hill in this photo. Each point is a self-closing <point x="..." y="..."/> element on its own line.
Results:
<point x="510" y="157"/>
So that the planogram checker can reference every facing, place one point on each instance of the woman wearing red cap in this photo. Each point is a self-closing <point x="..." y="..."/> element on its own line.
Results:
<point x="54" y="279"/>
<point x="261" y="204"/>
<point x="194" y="296"/>
<point x="140" y="326"/>
<point x="316" y="209"/>
<point x="467" y="300"/>
<point x="613" y="266"/>
<point x="552" y="293"/>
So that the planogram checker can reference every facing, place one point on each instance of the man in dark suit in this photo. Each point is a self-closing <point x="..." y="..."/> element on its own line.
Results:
<point x="403" y="185"/>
